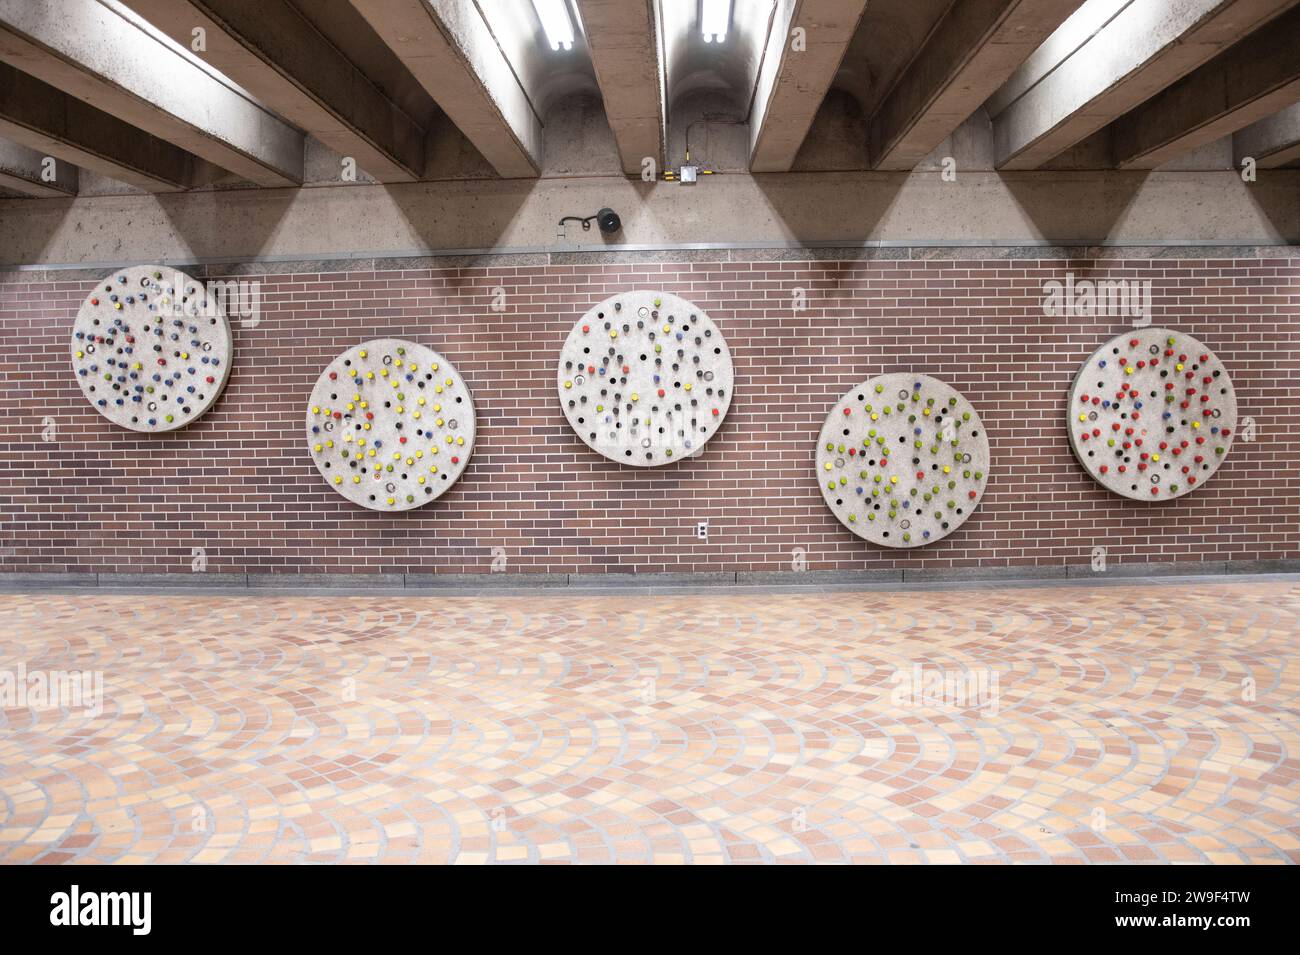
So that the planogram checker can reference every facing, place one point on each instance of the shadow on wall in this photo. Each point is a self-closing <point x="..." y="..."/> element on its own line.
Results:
<point x="1110" y="197"/>
<point x="820" y="215"/>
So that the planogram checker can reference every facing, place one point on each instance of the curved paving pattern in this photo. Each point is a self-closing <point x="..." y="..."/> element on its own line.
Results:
<point x="739" y="728"/>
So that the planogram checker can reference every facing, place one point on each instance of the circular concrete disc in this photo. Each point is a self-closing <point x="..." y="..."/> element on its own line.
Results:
<point x="151" y="350"/>
<point x="390" y="424"/>
<point x="902" y="460"/>
<point x="1152" y="414"/>
<point x="645" y="378"/>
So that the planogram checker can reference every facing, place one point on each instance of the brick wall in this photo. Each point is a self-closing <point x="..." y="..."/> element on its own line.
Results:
<point x="239" y="482"/>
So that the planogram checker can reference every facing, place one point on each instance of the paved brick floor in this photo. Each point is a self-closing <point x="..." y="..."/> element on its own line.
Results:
<point x="1107" y="724"/>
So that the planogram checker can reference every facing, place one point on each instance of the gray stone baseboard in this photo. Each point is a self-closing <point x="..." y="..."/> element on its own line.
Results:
<point x="20" y="582"/>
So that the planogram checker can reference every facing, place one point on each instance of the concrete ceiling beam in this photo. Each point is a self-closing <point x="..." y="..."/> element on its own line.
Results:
<point x="1249" y="81"/>
<point x="1272" y="142"/>
<point x="974" y="49"/>
<point x="1142" y="49"/>
<point x="625" y="41"/>
<point x="450" y="50"/>
<point x="807" y="42"/>
<point x="34" y="173"/>
<point x="271" y="51"/>
<point x="101" y="53"/>
<point x="49" y="121"/>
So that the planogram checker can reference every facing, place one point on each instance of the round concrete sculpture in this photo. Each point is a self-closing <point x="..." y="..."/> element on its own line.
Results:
<point x="903" y="460"/>
<point x="1152" y="414"/>
<point x="150" y="348"/>
<point x="390" y="424"/>
<point x="645" y="378"/>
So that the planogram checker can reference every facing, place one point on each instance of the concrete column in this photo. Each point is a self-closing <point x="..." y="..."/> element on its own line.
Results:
<point x="624" y="39"/>
<point x="107" y="57"/>
<point x="40" y="117"/>
<point x="1249" y="81"/>
<point x="1272" y="142"/>
<point x="34" y="173"/>
<point x="1144" y="48"/>
<point x="450" y="50"/>
<point x="808" y="40"/>
<point x="269" y="49"/>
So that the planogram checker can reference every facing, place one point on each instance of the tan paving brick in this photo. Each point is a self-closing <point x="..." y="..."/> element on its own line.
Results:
<point x="1067" y="724"/>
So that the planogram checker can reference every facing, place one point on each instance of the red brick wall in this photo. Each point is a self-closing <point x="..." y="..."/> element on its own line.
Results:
<point x="239" y="482"/>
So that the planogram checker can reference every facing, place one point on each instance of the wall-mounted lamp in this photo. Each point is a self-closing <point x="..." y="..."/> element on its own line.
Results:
<point x="715" y="18"/>
<point x="556" y="22"/>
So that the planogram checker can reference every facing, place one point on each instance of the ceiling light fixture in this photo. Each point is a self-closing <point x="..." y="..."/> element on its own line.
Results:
<point x="556" y="21"/>
<point x="715" y="18"/>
